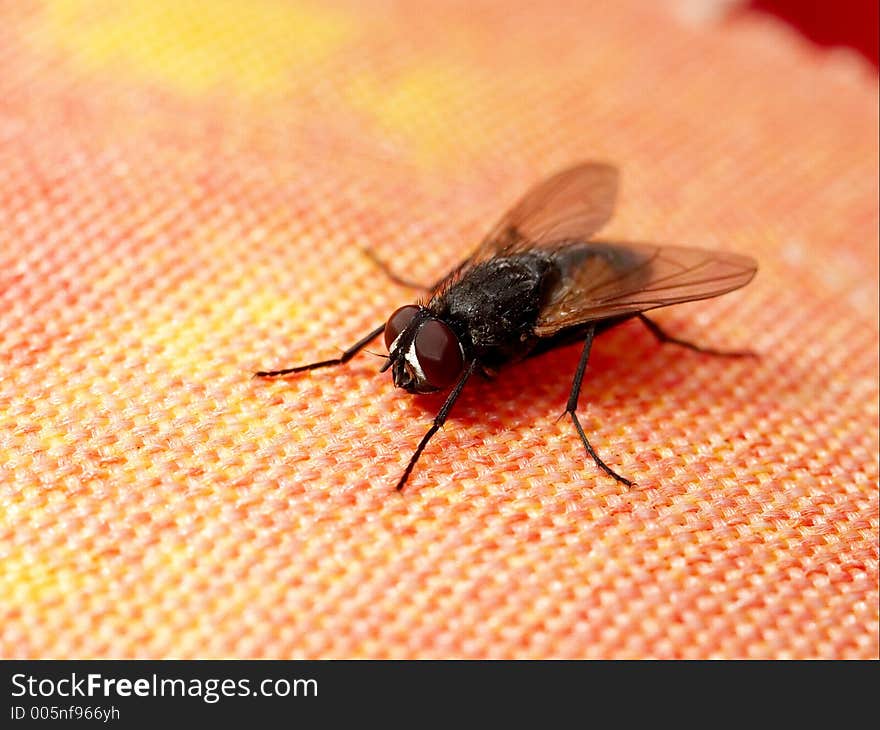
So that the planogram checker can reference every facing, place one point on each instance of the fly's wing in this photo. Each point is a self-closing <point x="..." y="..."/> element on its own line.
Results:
<point x="601" y="280"/>
<point x="569" y="206"/>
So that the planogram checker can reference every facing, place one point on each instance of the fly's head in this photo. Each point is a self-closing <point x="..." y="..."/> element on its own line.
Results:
<point x="425" y="355"/>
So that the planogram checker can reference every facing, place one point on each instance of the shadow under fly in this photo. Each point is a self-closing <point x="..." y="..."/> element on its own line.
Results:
<point x="538" y="281"/>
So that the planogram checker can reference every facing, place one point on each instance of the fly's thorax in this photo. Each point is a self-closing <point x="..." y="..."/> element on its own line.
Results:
<point x="497" y="303"/>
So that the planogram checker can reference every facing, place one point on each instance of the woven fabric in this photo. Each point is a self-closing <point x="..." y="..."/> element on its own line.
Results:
<point x="186" y="188"/>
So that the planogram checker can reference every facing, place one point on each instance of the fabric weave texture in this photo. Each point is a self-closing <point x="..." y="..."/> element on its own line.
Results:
<point x="185" y="191"/>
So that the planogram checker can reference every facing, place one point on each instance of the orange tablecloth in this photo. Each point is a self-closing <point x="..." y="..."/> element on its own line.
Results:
<point x="184" y="190"/>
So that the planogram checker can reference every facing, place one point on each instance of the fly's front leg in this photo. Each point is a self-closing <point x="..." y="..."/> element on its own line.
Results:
<point x="571" y="409"/>
<point x="343" y="358"/>
<point x="439" y="420"/>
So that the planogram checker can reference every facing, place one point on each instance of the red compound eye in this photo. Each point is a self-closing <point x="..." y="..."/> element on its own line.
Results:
<point x="398" y="322"/>
<point x="438" y="353"/>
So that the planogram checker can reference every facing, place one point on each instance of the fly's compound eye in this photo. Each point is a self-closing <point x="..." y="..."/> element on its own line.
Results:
<point x="398" y="322"/>
<point x="438" y="353"/>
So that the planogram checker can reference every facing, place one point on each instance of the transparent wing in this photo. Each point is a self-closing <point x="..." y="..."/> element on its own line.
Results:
<point x="604" y="279"/>
<point x="569" y="206"/>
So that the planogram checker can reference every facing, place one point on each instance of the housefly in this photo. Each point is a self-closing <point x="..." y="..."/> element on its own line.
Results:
<point x="536" y="282"/>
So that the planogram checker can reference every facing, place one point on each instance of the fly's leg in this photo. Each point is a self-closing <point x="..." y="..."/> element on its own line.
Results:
<point x="343" y="358"/>
<point x="386" y="269"/>
<point x="439" y="420"/>
<point x="663" y="337"/>
<point x="571" y="409"/>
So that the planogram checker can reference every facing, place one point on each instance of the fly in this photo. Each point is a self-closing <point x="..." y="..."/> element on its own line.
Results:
<point x="537" y="282"/>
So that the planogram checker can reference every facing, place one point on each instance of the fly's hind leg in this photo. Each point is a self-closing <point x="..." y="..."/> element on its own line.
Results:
<point x="571" y="409"/>
<point x="663" y="337"/>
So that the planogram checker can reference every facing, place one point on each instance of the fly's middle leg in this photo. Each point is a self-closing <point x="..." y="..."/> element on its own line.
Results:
<point x="397" y="279"/>
<point x="571" y="409"/>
